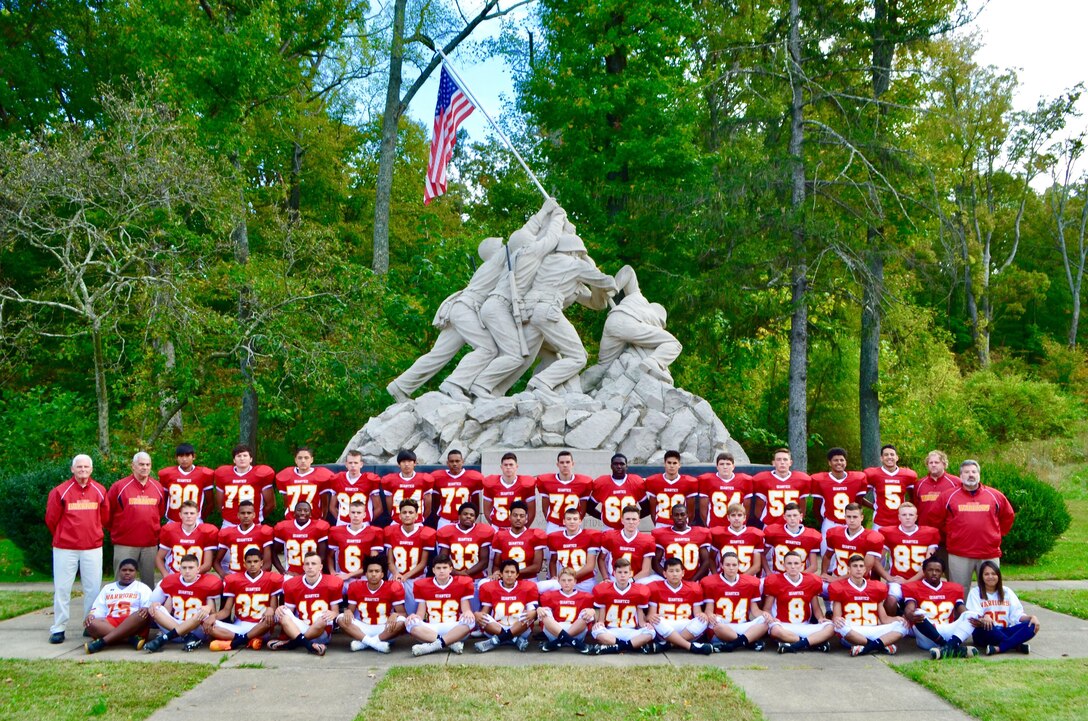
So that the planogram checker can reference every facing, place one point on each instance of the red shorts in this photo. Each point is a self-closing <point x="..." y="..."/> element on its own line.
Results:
<point x="115" y="621"/>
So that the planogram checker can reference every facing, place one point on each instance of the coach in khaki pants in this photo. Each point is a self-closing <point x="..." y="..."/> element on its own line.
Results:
<point x="974" y="519"/>
<point x="137" y="507"/>
<point x="75" y="514"/>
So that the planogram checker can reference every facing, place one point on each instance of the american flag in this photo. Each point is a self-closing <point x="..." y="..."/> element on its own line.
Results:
<point x="452" y="109"/>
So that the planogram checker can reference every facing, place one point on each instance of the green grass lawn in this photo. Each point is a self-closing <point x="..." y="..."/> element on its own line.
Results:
<point x="16" y="603"/>
<point x="1066" y="560"/>
<point x="12" y="569"/>
<point x="1012" y="690"/>
<point x="559" y="693"/>
<point x="58" y="690"/>
<point x="1072" y="602"/>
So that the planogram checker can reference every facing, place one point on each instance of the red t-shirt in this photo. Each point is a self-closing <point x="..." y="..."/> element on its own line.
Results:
<point x="732" y="602"/>
<point x="634" y="550"/>
<point x="136" y="512"/>
<point x="237" y="542"/>
<point x="406" y="549"/>
<point x="299" y="540"/>
<point x="295" y="487"/>
<point x="453" y="492"/>
<point x="684" y="545"/>
<point x="76" y="515"/>
<point x="573" y="551"/>
<point x="507" y="602"/>
<point x="613" y="497"/>
<point x="777" y="492"/>
<point x="747" y="544"/>
<point x="502" y="496"/>
<point x="838" y="493"/>
<point x="375" y="606"/>
<point x="467" y="548"/>
<point x="792" y="601"/>
<point x="619" y="606"/>
<point x="236" y="487"/>
<point x="938" y="603"/>
<point x="181" y="486"/>
<point x="889" y="490"/>
<point x="401" y="488"/>
<point x="186" y="600"/>
<point x="975" y="523"/>
<point x="252" y="595"/>
<point x="352" y="549"/>
<point x="308" y="601"/>
<point x="722" y="493"/>
<point x="665" y="493"/>
<point x="521" y="547"/>
<point x="909" y="551"/>
<point x="676" y="604"/>
<point x="564" y="608"/>
<point x="442" y="604"/>
<point x="927" y="496"/>
<point x="782" y="541"/>
<point x="346" y="491"/>
<point x="204" y="538"/>
<point x="559" y="495"/>
<point x="859" y="605"/>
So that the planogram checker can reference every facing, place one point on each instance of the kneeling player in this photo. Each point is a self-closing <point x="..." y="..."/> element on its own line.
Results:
<point x="676" y="610"/>
<point x="795" y="598"/>
<point x="119" y="613"/>
<point x="507" y="609"/>
<point x="621" y="613"/>
<point x="443" y="616"/>
<point x="732" y="607"/>
<point x="859" y="615"/>
<point x="311" y="603"/>
<point x="565" y="614"/>
<point x="250" y="598"/>
<point x="936" y="608"/>
<point x="190" y="596"/>
<point x="375" y="614"/>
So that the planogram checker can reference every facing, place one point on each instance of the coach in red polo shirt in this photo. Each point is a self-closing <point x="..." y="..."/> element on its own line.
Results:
<point x="974" y="519"/>
<point x="137" y="506"/>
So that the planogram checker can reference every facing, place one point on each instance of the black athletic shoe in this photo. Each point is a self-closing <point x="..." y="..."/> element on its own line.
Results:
<point x="578" y="645"/>
<point x="824" y="647"/>
<point x="701" y="649"/>
<point x="192" y="643"/>
<point x="549" y="646"/>
<point x="1024" y="648"/>
<point x="137" y="642"/>
<point x="605" y="649"/>
<point x="758" y="645"/>
<point x="155" y="645"/>
<point x="56" y="637"/>
<point x="94" y="646"/>
<point x="786" y="648"/>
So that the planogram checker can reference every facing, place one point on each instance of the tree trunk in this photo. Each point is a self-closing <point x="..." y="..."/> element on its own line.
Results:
<point x="1074" y="322"/>
<point x="247" y="417"/>
<point x="294" y="198"/>
<point x="798" y="381"/>
<point x="383" y="194"/>
<point x="168" y="401"/>
<point x="869" y="367"/>
<point x="615" y="63"/>
<point x="101" y="392"/>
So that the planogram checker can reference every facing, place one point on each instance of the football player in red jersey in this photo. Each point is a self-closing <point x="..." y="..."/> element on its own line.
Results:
<point x="621" y="614"/>
<point x="443" y="615"/>
<point x="859" y="616"/>
<point x="524" y="545"/>
<point x="350" y="485"/>
<point x="732" y="606"/>
<point x="181" y="602"/>
<point x="935" y="608"/>
<point x="311" y="602"/>
<point x="834" y="490"/>
<point x="562" y="490"/>
<point x="908" y="546"/>
<point x="186" y="482"/>
<point x="744" y="541"/>
<point x="928" y="490"/>
<point x="611" y="494"/>
<point x="244" y="482"/>
<point x="575" y="548"/>
<point x="688" y="543"/>
<point x="467" y="543"/>
<point x="407" y="483"/>
<point x="792" y="536"/>
<point x="408" y="546"/>
<point x="303" y="482"/>
<point x="454" y="486"/>
<point x="843" y="542"/>
<point x="565" y="614"/>
<point x="507" y="609"/>
<point x="188" y="536"/>
<point x="628" y="542"/>
<point x="295" y="538"/>
<point x="250" y="598"/>
<point x="350" y="545"/>
<point x="235" y="541"/>
<point x="676" y="611"/>
<point x="722" y="489"/>
<point x="667" y="489"/>
<point x="502" y="491"/>
<point x="775" y="489"/>
<point x="119" y="613"/>
<point x="793" y="597"/>
<point x="891" y="486"/>
<point x="375" y="614"/>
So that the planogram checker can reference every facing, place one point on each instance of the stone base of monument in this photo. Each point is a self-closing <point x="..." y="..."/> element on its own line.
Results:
<point x="622" y="407"/>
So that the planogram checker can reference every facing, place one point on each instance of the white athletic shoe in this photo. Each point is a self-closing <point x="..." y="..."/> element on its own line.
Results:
<point x="458" y="647"/>
<point x="422" y="649"/>
<point x="380" y="646"/>
<point x="358" y="645"/>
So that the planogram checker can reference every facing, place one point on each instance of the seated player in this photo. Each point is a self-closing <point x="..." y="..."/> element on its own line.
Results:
<point x="744" y="541"/>
<point x="998" y="617"/>
<point x="468" y="544"/>
<point x="119" y="614"/>
<point x="859" y="615"/>
<point x="722" y="489"/>
<point x="690" y="544"/>
<point x="519" y="542"/>
<point x="408" y="546"/>
<point x="251" y="599"/>
<point x="295" y="538"/>
<point x="507" y="609"/>
<point x="628" y="542"/>
<point x="676" y="612"/>
<point x="350" y="545"/>
<point x="188" y="535"/>
<point x="848" y="540"/>
<point x="311" y="602"/>
<point x="565" y="614"/>
<point x="670" y="488"/>
<point x="375" y="614"/>
<point x="562" y="490"/>
<point x="935" y="608"/>
<point x="453" y="487"/>
<point x="732" y="609"/>
<point x="443" y="615"/>
<point x="791" y="599"/>
<point x="621" y="614"/>
<point x="908" y="545"/>
<point x="575" y="548"/>
<point x="181" y="602"/>
<point x="235" y="541"/>
<point x="792" y="536"/>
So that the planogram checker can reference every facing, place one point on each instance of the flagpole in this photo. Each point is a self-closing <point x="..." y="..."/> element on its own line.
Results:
<point x="502" y="136"/>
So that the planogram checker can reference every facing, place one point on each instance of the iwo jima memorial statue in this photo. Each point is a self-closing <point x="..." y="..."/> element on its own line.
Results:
<point x="511" y="314"/>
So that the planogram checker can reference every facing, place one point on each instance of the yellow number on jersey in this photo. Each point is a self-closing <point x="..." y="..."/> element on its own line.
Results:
<point x="180" y="494"/>
<point x="560" y="502"/>
<point x="573" y="558"/>
<point x="909" y="559"/>
<point x="732" y="612"/>
<point x="452" y="498"/>
<point x="860" y="613"/>
<point x="443" y="611"/>
<point x="404" y="558"/>
<point x="688" y="553"/>
<point x="938" y="612"/>
<point x="614" y="505"/>
<point x="664" y="502"/>
<point x="893" y="496"/>
<point x="464" y="555"/>
<point x="797" y="610"/>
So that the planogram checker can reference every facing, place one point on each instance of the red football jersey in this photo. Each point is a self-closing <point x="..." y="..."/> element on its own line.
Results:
<point x="619" y="606"/>
<point x="837" y="493"/>
<point x="308" y="601"/>
<point x="732" y="602"/>
<point x="684" y="545"/>
<point x="309" y="486"/>
<point x="237" y="542"/>
<point x="237" y="487"/>
<point x="564" y="608"/>
<point x="889" y="490"/>
<point x="204" y="538"/>
<point x="466" y="548"/>
<point x="346" y="491"/>
<point x="865" y="542"/>
<point x="746" y="543"/>
<point x="859" y="605"/>
<point x="406" y="549"/>
<point x="792" y="601"/>
<point x="522" y="547"/>
<point x="676" y="604"/>
<point x="186" y="600"/>
<point x="352" y="548"/>
<point x="613" y="497"/>
<point x="508" y="602"/>
<point x="559" y="495"/>
<point x="502" y="496"/>
<point x="442" y="604"/>
<point x="937" y="603"/>
<point x="299" y="540"/>
<point x="665" y="493"/>
<point x="573" y="551"/>
<point x="777" y="492"/>
<point x="454" y="491"/>
<point x="721" y="493"/>
<point x="181" y="486"/>
<point x="416" y="487"/>
<point x="252" y="596"/>
<point x="927" y="496"/>
<point x="617" y="546"/>
<point x="909" y="550"/>
<point x="375" y="605"/>
<point x="782" y="541"/>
